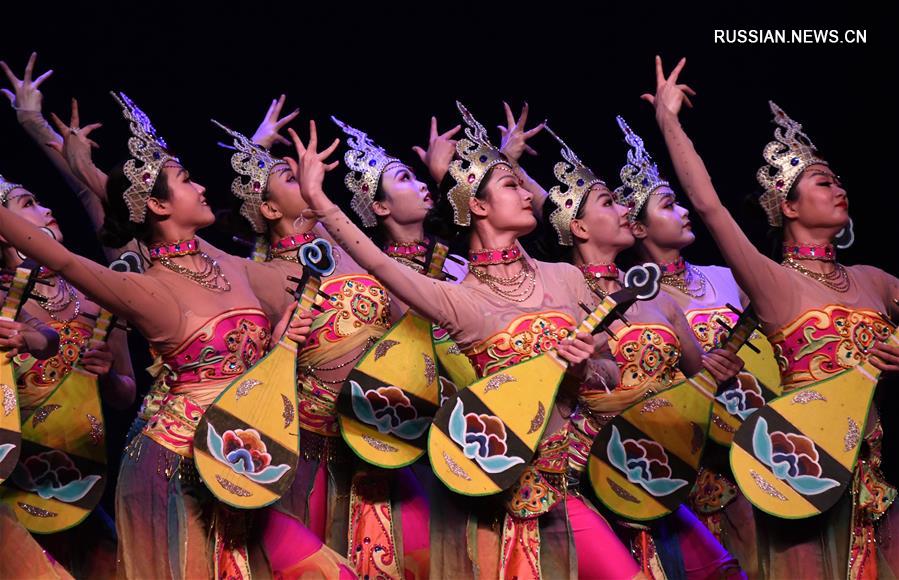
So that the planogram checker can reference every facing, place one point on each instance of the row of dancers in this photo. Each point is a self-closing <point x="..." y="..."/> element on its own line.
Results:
<point x="209" y="317"/>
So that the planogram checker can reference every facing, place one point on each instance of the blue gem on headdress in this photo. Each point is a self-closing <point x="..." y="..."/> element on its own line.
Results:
<point x="644" y="182"/>
<point x="156" y="155"/>
<point x="372" y="162"/>
<point x="580" y="182"/>
<point x="483" y="158"/>
<point x="794" y="161"/>
<point x="261" y="164"/>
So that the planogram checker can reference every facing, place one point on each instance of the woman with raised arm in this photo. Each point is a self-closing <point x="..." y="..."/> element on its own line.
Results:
<point x="507" y="295"/>
<point x="73" y="316"/>
<point x="662" y="229"/>
<point x="377" y="518"/>
<point x="203" y="316"/>
<point x="589" y="226"/>
<point x="68" y="150"/>
<point x="808" y="297"/>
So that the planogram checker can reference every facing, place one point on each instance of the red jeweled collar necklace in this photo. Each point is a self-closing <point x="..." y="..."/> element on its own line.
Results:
<point x="673" y="268"/>
<point x="292" y="242"/>
<point x="175" y="249"/>
<point x="494" y="257"/>
<point x="822" y="252"/>
<point x="600" y="270"/>
<point x="406" y="249"/>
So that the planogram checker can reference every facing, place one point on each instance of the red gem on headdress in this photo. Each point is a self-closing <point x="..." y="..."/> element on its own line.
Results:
<point x="471" y="178"/>
<point x="256" y="186"/>
<point x="364" y="188"/>
<point x="779" y="184"/>
<point x="147" y="178"/>
<point x="569" y="202"/>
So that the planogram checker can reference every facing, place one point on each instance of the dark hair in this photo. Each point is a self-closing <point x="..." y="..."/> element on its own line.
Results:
<point x="118" y="229"/>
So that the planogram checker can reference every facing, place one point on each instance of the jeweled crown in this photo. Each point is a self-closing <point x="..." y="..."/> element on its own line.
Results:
<point x="6" y="188"/>
<point x="785" y="159"/>
<point x="477" y="156"/>
<point x="577" y="179"/>
<point x="366" y="162"/>
<point x="253" y="165"/>
<point x="148" y="155"/>
<point x="639" y="176"/>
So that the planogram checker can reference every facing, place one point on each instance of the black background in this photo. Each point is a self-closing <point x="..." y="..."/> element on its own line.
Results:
<point x="386" y="68"/>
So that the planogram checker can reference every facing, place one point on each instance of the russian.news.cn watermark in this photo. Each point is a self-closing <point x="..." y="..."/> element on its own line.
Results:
<point x="790" y="36"/>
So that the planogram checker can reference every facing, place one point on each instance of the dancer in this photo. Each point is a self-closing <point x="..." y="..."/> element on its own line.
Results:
<point x="91" y="549"/>
<point x="655" y="350"/>
<point x="663" y="230"/>
<point x="341" y="499"/>
<point x="507" y="294"/>
<point x="809" y="295"/>
<point x="203" y="316"/>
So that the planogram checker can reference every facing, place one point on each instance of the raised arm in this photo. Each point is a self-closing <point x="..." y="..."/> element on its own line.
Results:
<point x="138" y="298"/>
<point x="755" y="273"/>
<point x="438" y="301"/>
<point x="514" y="145"/>
<point x="267" y="280"/>
<point x="439" y="155"/>
<point x="27" y="100"/>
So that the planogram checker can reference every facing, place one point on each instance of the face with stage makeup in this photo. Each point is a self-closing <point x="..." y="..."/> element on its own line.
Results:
<point x="180" y="199"/>
<point x="503" y="203"/>
<point x="817" y="200"/>
<point x="401" y="196"/>
<point x="601" y="222"/>
<point x="23" y="203"/>
<point x="663" y="222"/>
<point x="282" y="198"/>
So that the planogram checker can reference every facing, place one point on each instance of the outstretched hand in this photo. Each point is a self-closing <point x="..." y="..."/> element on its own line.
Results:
<point x="310" y="167"/>
<point x="441" y="148"/>
<point x="267" y="134"/>
<point x="25" y="95"/>
<point x="514" y="138"/>
<point x="75" y="142"/>
<point x="669" y="96"/>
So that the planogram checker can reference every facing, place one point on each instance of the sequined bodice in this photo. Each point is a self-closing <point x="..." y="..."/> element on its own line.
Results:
<point x="219" y="351"/>
<point x="356" y="313"/>
<point x="647" y="355"/>
<point x="37" y="378"/>
<point x="823" y="342"/>
<point x="526" y="336"/>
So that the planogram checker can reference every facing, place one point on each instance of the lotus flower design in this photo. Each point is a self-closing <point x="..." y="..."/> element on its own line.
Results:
<point x="53" y="475"/>
<point x="792" y="457"/>
<point x="644" y="462"/>
<point x="389" y="410"/>
<point x="482" y="438"/>
<point x="244" y="451"/>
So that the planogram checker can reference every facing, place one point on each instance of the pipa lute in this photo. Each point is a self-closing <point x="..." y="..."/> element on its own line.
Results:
<point x="643" y="463"/>
<point x="260" y="407"/>
<point x="10" y="423"/>
<point x="795" y="457"/>
<point x="483" y="438"/>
